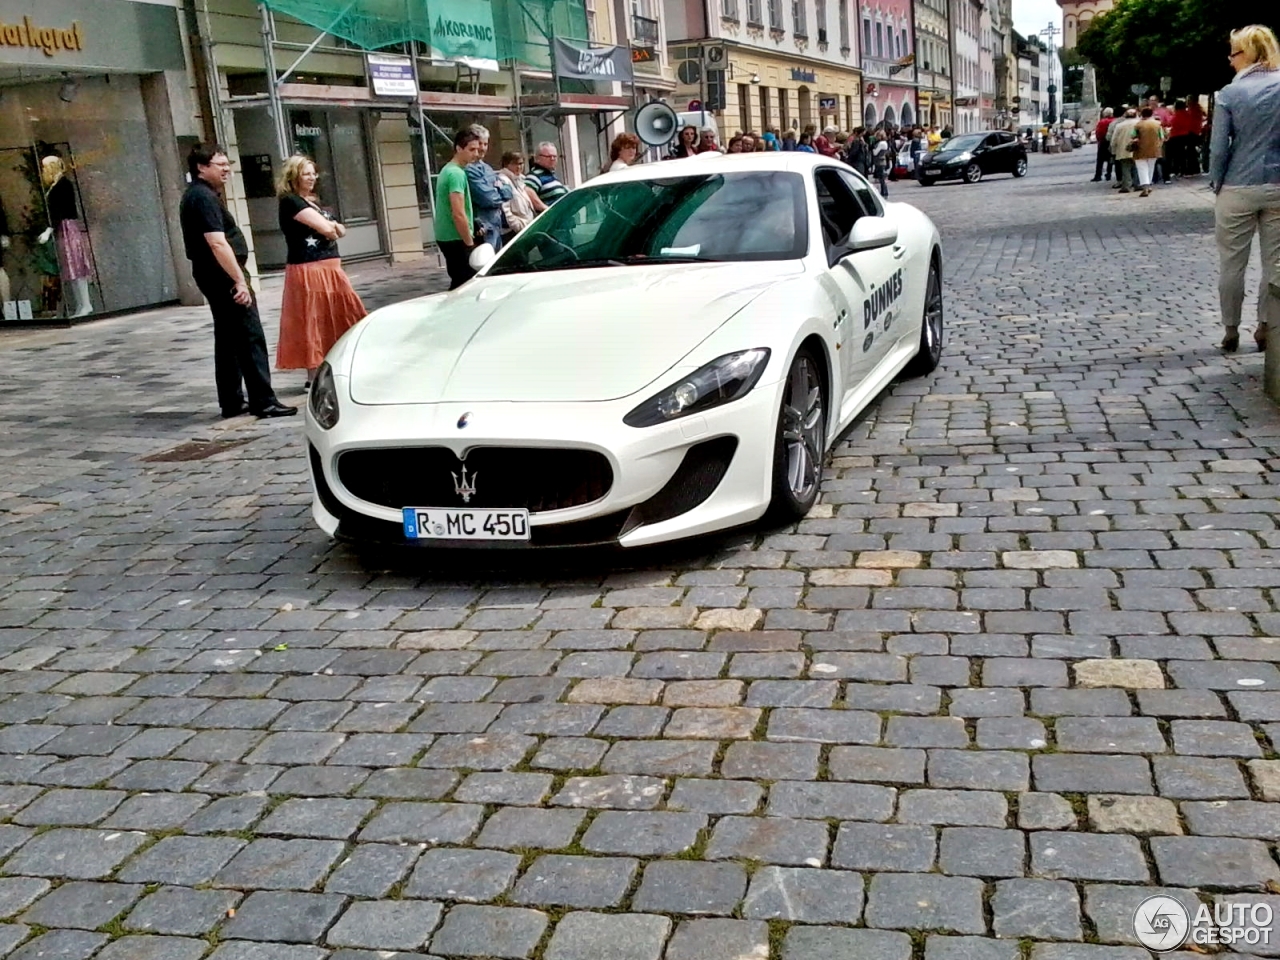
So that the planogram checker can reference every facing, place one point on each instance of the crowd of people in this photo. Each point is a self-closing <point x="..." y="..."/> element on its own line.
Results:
<point x="883" y="153"/>
<point x="1150" y="143"/>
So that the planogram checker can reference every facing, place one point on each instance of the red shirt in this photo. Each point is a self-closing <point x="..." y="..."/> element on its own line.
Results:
<point x="824" y="146"/>
<point x="1101" y="129"/>
<point x="1184" y="122"/>
<point x="1164" y="115"/>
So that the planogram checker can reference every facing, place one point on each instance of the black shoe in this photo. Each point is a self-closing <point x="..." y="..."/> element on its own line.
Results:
<point x="228" y="414"/>
<point x="276" y="409"/>
<point x="1231" y="342"/>
<point x="1096" y="180"/>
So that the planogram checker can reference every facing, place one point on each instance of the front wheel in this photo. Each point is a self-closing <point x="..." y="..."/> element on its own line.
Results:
<point x="972" y="173"/>
<point x="801" y="442"/>
<point x="929" y="355"/>
<point x="1020" y="168"/>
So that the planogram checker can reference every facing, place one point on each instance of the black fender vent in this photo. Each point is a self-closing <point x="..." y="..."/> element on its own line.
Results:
<point x="700" y="472"/>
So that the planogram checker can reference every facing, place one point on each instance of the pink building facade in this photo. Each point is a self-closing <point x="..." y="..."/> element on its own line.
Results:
<point x="886" y="34"/>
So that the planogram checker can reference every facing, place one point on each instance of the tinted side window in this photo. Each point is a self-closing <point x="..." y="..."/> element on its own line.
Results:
<point x="838" y="209"/>
<point x="861" y="190"/>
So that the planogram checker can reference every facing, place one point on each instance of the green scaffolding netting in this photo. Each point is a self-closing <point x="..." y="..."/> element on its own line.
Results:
<point x="501" y="30"/>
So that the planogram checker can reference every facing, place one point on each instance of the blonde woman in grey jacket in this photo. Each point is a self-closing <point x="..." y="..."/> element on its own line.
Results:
<point x="1244" y="171"/>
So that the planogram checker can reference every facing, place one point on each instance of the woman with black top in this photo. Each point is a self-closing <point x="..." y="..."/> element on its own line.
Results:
<point x="319" y="304"/>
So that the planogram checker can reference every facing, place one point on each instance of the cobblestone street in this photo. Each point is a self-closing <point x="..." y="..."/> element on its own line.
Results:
<point x="1015" y="673"/>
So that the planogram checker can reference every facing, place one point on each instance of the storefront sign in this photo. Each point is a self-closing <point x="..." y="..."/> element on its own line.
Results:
<point x="301" y="130"/>
<point x="48" y="40"/>
<point x="392" y="76"/>
<point x="804" y="76"/>
<point x="596" y="63"/>
<point x="91" y="35"/>
<point x="644" y="55"/>
<point x="826" y="104"/>
<point x="463" y="28"/>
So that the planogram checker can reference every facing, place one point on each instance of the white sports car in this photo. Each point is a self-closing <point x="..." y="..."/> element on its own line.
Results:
<point x="667" y="351"/>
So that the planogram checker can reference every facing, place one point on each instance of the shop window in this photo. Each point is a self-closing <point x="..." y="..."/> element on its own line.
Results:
<point x="744" y="107"/>
<point x="766" y="121"/>
<point x="47" y="270"/>
<point x="347" y="186"/>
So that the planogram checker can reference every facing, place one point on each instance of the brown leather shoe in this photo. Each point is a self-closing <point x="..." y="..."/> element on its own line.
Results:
<point x="1231" y="342"/>
<point x="1260" y="338"/>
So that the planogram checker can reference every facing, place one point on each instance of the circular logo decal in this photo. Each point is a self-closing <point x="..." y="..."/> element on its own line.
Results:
<point x="1161" y="923"/>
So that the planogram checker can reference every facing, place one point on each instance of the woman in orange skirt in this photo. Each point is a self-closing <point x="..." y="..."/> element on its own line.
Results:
<point x="319" y="304"/>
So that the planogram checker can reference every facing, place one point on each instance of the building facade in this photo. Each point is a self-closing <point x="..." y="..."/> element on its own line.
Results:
<point x="1005" y="65"/>
<point x="986" y="68"/>
<point x="1030" y="101"/>
<point x="933" y="62"/>
<point x="788" y="64"/>
<point x="1076" y="17"/>
<point x="966" y="23"/>
<point x="95" y="103"/>
<point x="889" y="62"/>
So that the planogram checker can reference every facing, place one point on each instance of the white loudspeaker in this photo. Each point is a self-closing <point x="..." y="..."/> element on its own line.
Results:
<point x="656" y="123"/>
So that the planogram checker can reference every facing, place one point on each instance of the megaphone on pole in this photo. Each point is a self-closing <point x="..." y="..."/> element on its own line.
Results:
<point x="656" y="123"/>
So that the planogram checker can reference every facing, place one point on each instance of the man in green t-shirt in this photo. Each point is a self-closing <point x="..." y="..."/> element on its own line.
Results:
<point x="453" y="223"/>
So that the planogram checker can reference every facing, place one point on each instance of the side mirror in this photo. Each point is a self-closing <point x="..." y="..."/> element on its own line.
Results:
<point x="871" y="233"/>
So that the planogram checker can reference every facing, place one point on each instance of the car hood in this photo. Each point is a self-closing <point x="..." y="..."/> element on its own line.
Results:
<point x="564" y="335"/>
<point x="942" y="156"/>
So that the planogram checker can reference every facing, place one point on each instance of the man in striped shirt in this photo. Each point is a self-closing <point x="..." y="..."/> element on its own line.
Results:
<point x="542" y="174"/>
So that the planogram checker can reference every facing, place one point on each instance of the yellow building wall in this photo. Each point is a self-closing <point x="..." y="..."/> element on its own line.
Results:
<point x="399" y="189"/>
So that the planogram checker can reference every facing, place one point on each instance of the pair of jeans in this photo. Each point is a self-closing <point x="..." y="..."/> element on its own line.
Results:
<point x="1104" y="160"/>
<point x="882" y="175"/>
<point x="239" y="345"/>
<point x="457" y="262"/>
<point x="1238" y="213"/>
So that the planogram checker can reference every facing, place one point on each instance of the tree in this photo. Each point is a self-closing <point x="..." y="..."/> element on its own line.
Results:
<point x="1141" y="41"/>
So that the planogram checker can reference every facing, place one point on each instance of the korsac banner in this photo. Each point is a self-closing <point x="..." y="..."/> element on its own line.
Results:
<point x="596" y="63"/>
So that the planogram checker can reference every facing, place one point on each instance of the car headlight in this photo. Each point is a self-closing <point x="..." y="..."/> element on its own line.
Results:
<point x="324" y="398"/>
<point x="963" y="158"/>
<point x="723" y="380"/>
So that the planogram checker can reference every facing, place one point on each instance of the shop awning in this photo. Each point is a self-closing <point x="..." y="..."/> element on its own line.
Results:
<point x="503" y="30"/>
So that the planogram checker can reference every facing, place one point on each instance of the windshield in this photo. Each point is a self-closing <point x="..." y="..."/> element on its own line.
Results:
<point x="753" y="215"/>
<point x="963" y="143"/>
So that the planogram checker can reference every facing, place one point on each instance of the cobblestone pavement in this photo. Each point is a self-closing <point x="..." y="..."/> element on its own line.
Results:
<point x="1015" y="673"/>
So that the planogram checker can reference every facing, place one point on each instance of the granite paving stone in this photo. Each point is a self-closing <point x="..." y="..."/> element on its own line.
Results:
<point x="507" y="933"/>
<point x="690" y="887"/>
<point x="583" y="935"/>
<point x="285" y="916"/>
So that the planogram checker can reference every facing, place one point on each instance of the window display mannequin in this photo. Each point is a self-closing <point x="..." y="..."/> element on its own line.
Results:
<point x="74" y="258"/>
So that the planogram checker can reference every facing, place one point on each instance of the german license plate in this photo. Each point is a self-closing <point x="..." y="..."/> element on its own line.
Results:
<point x="452" y="523"/>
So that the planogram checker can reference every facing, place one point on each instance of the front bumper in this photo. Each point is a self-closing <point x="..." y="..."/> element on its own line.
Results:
<point x="692" y="476"/>
<point x="946" y="172"/>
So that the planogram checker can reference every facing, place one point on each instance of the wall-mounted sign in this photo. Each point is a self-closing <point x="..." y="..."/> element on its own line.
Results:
<point x="643" y="55"/>
<point x="803" y="76"/>
<point x="302" y="130"/>
<point x="91" y="35"/>
<point x="48" y="40"/>
<point x="827" y="104"/>
<point x="392" y="76"/>
<point x="594" y="63"/>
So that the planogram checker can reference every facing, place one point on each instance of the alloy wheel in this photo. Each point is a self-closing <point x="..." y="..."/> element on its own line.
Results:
<point x="803" y="424"/>
<point x="972" y="173"/>
<point x="933" y="317"/>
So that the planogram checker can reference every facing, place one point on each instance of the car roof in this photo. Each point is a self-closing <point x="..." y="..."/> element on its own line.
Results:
<point x="704" y="163"/>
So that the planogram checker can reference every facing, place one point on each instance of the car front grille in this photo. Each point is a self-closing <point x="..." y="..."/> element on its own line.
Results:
<point x="536" y="479"/>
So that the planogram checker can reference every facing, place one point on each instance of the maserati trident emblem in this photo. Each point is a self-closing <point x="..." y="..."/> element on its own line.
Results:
<point x="464" y="489"/>
<point x="464" y="420"/>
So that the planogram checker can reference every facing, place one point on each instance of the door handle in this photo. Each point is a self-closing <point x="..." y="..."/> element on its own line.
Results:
<point x="899" y="251"/>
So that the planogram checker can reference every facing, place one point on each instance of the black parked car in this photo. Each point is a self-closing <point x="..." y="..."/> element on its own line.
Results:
<point x="971" y="156"/>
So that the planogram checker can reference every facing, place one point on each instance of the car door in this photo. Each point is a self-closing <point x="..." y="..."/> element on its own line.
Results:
<point x="987" y="154"/>
<point x="864" y="282"/>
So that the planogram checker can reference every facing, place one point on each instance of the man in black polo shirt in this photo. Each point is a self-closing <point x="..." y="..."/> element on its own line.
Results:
<point x="217" y="251"/>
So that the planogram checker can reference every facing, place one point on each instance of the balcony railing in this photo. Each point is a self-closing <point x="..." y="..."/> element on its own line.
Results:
<point x="644" y="31"/>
